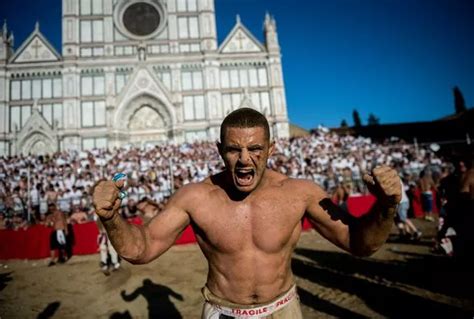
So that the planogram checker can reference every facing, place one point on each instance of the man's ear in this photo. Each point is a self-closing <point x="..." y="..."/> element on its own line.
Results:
<point x="219" y="147"/>
<point x="271" y="149"/>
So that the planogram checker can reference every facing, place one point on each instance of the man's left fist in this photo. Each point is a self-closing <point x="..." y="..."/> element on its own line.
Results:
<point x="385" y="184"/>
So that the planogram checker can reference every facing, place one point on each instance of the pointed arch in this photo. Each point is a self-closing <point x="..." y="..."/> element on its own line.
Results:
<point x="127" y="111"/>
<point x="37" y="143"/>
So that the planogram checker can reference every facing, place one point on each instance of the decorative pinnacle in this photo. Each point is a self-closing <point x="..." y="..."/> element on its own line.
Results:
<point x="267" y="16"/>
<point x="4" y="27"/>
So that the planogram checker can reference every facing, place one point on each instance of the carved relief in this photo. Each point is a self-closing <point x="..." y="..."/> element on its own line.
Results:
<point x="136" y="113"/>
<point x="45" y="55"/>
<point x="240" y="42"/>
<point x="37" y="143"/>
<point x="40" y="147"/>
<point x="36" y="50"/>
<point x="146" y="118"/>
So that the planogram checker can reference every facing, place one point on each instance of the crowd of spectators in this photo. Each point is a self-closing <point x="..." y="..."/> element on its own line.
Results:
<point x="29" y="183"/>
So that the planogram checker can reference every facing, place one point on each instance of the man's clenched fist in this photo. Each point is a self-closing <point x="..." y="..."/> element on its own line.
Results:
<point x="106" y="198"/>
<point x="384" y="183"/>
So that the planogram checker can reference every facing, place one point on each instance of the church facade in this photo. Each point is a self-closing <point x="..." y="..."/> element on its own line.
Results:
<point x="135" y="72"/>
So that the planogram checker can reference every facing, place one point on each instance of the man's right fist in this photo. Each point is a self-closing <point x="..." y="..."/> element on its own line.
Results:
<point x="106" y="198"/>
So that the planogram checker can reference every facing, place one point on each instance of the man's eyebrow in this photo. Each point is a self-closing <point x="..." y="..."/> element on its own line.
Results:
<point x="255" y="145"/>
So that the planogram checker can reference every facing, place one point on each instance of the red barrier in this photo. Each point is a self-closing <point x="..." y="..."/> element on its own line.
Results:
<point x="85" y="239"/>
<point x="187" y="236"/>
<point x="359" y="205"/>
<point x="33" y="243"/>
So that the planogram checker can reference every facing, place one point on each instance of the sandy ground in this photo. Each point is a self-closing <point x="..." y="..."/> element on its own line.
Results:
<point x="400" y="280"/>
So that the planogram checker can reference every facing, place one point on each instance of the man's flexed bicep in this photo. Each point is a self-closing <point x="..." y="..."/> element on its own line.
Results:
<point x="330" y="220"/>
<point x="163" y="230"/>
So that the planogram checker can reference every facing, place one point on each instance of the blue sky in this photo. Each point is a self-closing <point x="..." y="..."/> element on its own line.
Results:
<point x="397" y="59"/>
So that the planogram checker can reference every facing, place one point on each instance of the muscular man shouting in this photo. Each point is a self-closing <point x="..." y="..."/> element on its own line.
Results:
<point x="247" y="220"/>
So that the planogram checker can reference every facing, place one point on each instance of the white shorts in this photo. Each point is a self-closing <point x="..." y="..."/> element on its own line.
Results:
<point x="286" y="306"/>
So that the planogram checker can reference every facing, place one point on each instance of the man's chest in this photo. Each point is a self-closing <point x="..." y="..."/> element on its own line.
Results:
<point x="267" y="223"/>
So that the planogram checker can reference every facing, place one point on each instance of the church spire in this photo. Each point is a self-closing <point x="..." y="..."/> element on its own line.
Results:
<point x="4" y="30"/>
<point x="271" y="35"/>
<point x="6" y="42"/>
<point x="11" y="39"/>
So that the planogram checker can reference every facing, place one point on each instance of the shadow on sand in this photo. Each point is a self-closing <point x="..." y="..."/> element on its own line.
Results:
<point x="158" y="299"/>
<point x="321" y="305"/>
<point x="49" y="311"/>
<point x="394" y="239"/>
<point x="379" y="283"/>
<point x="4" y="278"/>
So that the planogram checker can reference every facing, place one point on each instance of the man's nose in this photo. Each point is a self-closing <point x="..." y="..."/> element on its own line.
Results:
<point x="244" y="157"/>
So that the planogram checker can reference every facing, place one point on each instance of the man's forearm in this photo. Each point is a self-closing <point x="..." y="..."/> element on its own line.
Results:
<point x="128" y="240"/>
<point x="369" y="233"/>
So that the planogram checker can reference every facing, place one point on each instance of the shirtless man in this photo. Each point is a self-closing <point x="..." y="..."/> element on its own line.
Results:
<point x="57" y="240"/>
<point x="466" y="207"/>
<point x="467" y="181"/>
<point x="426" y="186"/>
<point x="51" y="194"/>
<point x="247" y="221"/>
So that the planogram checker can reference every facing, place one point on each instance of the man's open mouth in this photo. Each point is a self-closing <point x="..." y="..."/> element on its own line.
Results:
<point x="244" y="176"/>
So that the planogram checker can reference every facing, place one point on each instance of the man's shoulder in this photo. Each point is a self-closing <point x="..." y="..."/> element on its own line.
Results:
<point x="294" y="184"/>
<point x="192" y="195"/>
<point x="198" y="189"/>
<point x="297" y="182"/>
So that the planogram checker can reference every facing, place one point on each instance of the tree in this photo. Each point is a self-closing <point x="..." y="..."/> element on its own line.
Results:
<point x="356" y="118"/>
<point x="373" y="120"/>
<point x="343" y="123"/>
<point x="459" y="103"/>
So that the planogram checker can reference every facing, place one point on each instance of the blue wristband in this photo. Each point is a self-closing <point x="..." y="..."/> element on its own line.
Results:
<point x="117" y="177"/>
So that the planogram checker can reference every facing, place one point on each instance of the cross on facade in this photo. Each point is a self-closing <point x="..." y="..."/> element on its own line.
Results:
<point x="36" y="46"/>
<point x="240" y="37"/>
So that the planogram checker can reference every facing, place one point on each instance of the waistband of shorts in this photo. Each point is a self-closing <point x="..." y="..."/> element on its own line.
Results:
<point x="246" y="311"/>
